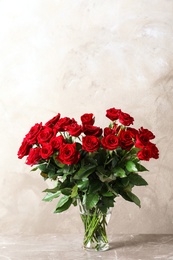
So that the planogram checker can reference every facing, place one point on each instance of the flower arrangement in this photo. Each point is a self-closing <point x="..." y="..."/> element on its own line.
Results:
<point x="88" y="163"/>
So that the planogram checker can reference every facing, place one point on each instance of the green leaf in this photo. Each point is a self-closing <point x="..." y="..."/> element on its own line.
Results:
<point x="84" y="172"/>
<point x="119" y="172"/>
<point x="131" y="166"/>
<point x="112" y="190"/>
<point x="134" y="150"/>
<point x="43" y="167"/>
<point x="34" y="169"/>
<point x="103" y="208"/>
<point x="129" y="196"/>
<point x="54" y="190"/>
<point x="83" y="184"/>
<point x="60" y="165"/>
<point x="140" y="167"/>
<point x="52" y="174"/>
<point x="125" y="181"/>
<point x="102" y="170"/>
<point x="66" y="191"/>
<point x="94" y="186"/>
<point x="50" y="196"/>
<point x="107" y="194"/>
<point x="63" y="204"/>
<point x="62" y="201"/>
<point x="91" y="161"/>
<point x="101" y="156"/>
<point x="106" y="178"/>
<point x="108" y="201"/>
<point x="137" y="180"/>
<point x="44" y="175"/>
<point x="91" y="200"/>
<point x="125" y="196"/>
<point x="114" y="162"/>
<point x="133" y="198"/>
<point x="74" y="192"/>
<point x="59" y="172"/>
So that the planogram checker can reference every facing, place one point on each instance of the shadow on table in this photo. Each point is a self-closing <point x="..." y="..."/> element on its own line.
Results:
<point x="140" y="240"/>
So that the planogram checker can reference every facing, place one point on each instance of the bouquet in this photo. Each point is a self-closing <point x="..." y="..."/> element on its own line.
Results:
<point x="89" y="164"/>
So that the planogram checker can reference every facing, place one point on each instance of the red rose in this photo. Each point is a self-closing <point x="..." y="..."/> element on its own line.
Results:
<point x="92" y="130"/>
<point x="108" y="131"/>
<point x="147" y="133"/>
<point x="126" y="139"/>
<point x="133" y="131"/>
<point x="46" y="150"/>
<point x="24" y="149"/>
<point x="68" y="154"/>
<point x="154" y="150"/>
<point x="125" y="119"/>
<point x="34" y="156"/>
<point x="57" y="142"/>
<point x="53" y="121"/>
<point x="141" y="140"/>
<point x="33" y="133"/>
<point x="74" y="129"/>
<point x="45" y="135"/>
<point x="63" y="123"/>
<point x="87" y="119"/>
<point x="113" y="113"/>
<point x="144" y="154"/>
<point x="90" y="143"/>
<point x="110" y="142"/>
<point x="143" y="137"/>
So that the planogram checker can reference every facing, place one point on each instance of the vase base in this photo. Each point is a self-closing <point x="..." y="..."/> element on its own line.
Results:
<point x="96" y="247"/>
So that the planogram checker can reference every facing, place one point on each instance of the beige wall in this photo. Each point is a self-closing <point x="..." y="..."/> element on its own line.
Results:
<point x="77" y="56"/>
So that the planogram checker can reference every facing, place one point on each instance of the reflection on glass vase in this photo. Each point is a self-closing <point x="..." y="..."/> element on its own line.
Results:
<point x="95" y="226"/>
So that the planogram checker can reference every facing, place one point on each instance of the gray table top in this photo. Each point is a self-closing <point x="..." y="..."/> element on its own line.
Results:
<point x="69" y="246"/>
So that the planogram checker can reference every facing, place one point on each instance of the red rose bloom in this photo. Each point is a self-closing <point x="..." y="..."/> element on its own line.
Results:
<point x="154" y="150"/>
<point x="68" y="154"/>
<point x="87" y="119"/>
<point x="53" y="121"/>
<point x="126" y="139"/>
<point x="133" y="130"/>
<point x="57" y="141"/>
<point x="108" y="131"/>
<point x="144" y="154"/>
<point x="143" y="137"/>
<point x="74" y="129"/>
<point x="141" y="140"/>
<point x="92" y="130"/>
<point x="147" y="133"/>
<point x="125" y="119"/>
<point x="62" y="124"/>
<point x="113" y="113"/>
<point x="45" y="135"/>
<point x="90" y="143"/>
<point x="34" y="156"/>
<point x="110" y="142"/>
<point x="46" y="151"/>
<point x="33" y="133"/>
<point x="24" y="149"/>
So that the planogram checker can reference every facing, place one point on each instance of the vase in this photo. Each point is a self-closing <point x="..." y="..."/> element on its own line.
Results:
<point x="95" y="228"/>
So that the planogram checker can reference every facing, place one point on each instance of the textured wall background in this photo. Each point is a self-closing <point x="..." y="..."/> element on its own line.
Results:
<point x="84" y="56"/>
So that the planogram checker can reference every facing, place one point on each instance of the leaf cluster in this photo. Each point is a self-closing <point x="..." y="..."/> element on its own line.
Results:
<point x="97" y="180"/>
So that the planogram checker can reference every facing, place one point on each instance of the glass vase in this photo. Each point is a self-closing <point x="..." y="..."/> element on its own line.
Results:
<point x="95" y="228"/>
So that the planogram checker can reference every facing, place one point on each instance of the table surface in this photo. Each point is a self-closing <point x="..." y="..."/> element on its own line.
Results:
<point x="69" y="247"/>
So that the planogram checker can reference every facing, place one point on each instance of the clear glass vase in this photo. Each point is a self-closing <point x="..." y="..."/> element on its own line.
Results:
<point x="95" y="228"/>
